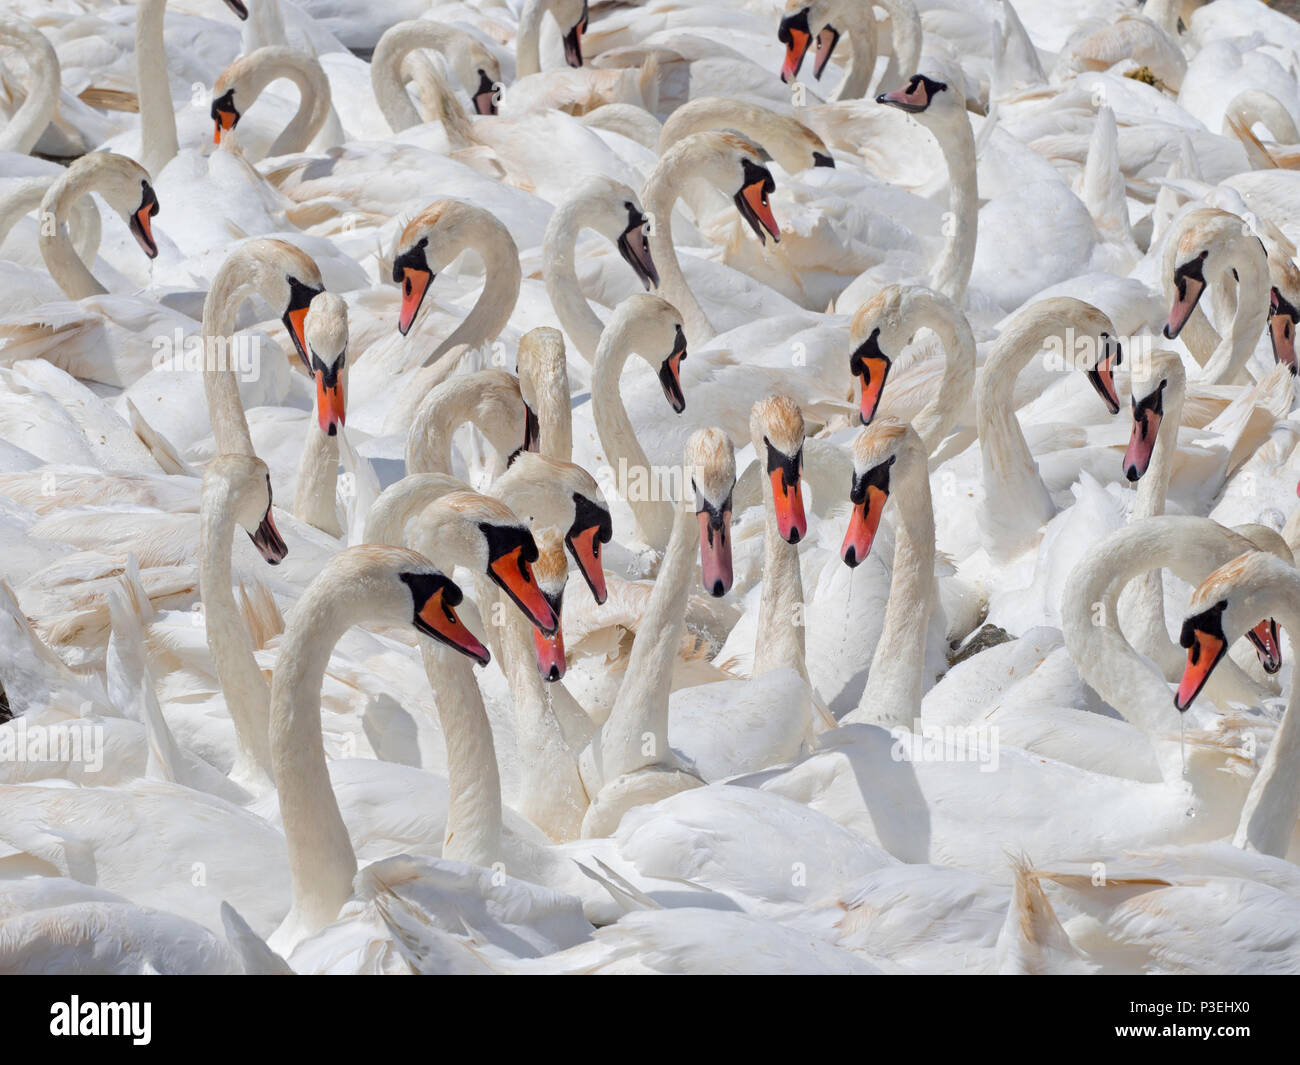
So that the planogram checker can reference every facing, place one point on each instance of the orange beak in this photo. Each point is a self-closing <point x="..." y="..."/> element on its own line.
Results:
<point x="550" y="654"/>
<point x="791" y="522"/>
<point x="440" y="621"/>
<point x="330" y="411"/>
<point x="586" y="552"/>
<point x="715" y="553"/>
<point x="1202" y="656"/>
<point x="794" y="53"/>
<point x="756" y="197"/>
<point x="224" y="122"/>
<point x="1185" y="301"/>
<point x="873" y="372"/>
<point x="1267" y="646"/>
<point x="415" y="283"/>
<point x="515" y="577"/>
<point x="297" y="321"/>
<point x="863" y="526"/>
<point x="1281" y="329"/>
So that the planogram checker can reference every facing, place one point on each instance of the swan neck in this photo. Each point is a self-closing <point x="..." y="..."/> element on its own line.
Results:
<point x="502" y="277"/>
<point x="660" y="195"/>
<point x="580" y="323"/>
<point x="159" y="144"/>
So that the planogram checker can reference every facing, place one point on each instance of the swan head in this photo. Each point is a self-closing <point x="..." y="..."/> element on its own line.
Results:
<point x="1228" y="603"/>
<point x="287" y="277"/>
<point x="1157" y="383"/>
<point x="244" y="483"/>
<point x="548" y="492"/>
<point x="884" y="452"/>
<point x="1207" y="246"/>
<point x="395" y="586"/>
<point x="922" y="95"/>
<point x="741" y="157"/>
<point x="484" y="535"/>
<point x="804" y="19"/>
<point x="1283" y="310"/>
<point x="651" y="327"/>
<point x="572" y="16"/>
<point x="484" y="97"/>
<point x="883" y="325"/>
<point x="1088" y="341"/>
<point x="711" y="465"/>
<point x="325" y="334"/>
<point x="429" y="242"/>
<point x="614" y="211"/>
<point x="551" y="570"/>
<point x="125" y="186"/>
<point x="777" y="428"/>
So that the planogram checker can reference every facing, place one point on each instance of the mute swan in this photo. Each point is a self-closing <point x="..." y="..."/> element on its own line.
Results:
<point x="736" y="726"/>
<point x="829" y="21"/>
<point x="729" y="162"/>
<point x="240" y="84"/>
<point x="125" y="186"/>
<point x="888" y="323"/>
<point x="490" y="399"/>
<point x="570" y="15"/>
<point x="1220" y="243"/>
<point x="648" y="326"/>
<point x="614" y="211"/>
<point x="472" y="63"/>
<point x="890" y="451"/>
<point x="628" y="761"/>
<point x="1262" y="585"/>
<point x="158" y="140"/>
<point x="389" y="585"/>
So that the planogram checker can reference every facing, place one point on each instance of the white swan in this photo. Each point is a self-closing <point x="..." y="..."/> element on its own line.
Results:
<point x="26" y="125"/>
<point x="468" y="57"/>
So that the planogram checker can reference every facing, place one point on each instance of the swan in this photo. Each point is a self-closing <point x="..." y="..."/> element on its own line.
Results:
<point x="629" y="759"/>
<point x="788" y="141"/>
<point x="570" y="15"/>
<point x="890" y="452"/>
<point x="1260" y="584"/>
<point x="888" y="323"/>
<point x="731" y="163"/>
<point x="490" y="399"/>
<point x="614" y="211"/>
<point x="829" y="21"/>
<point x="736" y="726"/>
<point x="1207" y="248"/>
<point x="1016" y="503"/>
<point x="650" y="327"/>
<point x="240" y="84"/>
<point x="379" y="585"/>
<point x="158" y="139"/>
<point x="473" y="63"/>
<point x="125" y="186"/>
<point x="26" y="125"/>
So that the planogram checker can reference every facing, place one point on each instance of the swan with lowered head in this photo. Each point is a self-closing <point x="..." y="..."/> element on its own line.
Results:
<point x="472" y="63"/>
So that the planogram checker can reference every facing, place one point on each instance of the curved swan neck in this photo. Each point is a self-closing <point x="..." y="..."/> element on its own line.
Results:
<point x="581" y="324"/>
<point x="860" y="30"/>
<point x="72" y="275"/>
<point x="440" y="414"/>
<point x="159" y="144"/>
<point x="635" y="734"/>
<point x="938" y="417"/>
<point x="502" y="278"/>
<point x="386" y="68"/>
<point x="237" y="279"/>
<point x="623" y="451"/>
<point x="895" y="684"/>
<point x="274" y="62"/>
<point x="1227" y="364"/>
<point x="659" y="195"/>
<point x="246" y="694"/>
<point x="321" y="860"/>
<point x="1016" y="502"/>
<point x="24" y="195"/>
<point x="24" y="129"/>
<point x="951" y="273"/>
<point x="473" y="832"/>
<point x="906" y="34"/>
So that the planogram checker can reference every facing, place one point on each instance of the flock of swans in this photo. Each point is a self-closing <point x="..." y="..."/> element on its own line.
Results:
<point x="649" y="486"/>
